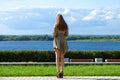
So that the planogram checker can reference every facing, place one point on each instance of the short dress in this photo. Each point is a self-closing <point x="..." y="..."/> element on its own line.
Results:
<point x="60" y="42"/>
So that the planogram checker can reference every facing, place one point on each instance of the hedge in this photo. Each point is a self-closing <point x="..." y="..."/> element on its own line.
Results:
<point x="49" y="56"/>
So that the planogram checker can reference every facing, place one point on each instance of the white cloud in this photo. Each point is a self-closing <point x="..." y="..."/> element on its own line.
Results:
<point x="32" y="14"/>
<point x="39" y="6"/>
<point x="71" y="19"/>
<point x="108" y="15"/>
<point x="91" y="15"/>
<point x="87" y="18"/>
<point x="100" y="15"/>
<point x="94" y="12"/>
<point x="37" y="20"/>
<point x="6" y="18"/>
<point x="25" y="7"/>
<point x="65" y="11"/>
<point x="5" y="30"/>
<point x="119" y="16"/>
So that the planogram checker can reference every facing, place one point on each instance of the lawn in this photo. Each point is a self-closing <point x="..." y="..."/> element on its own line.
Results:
<point x="50" y="70"/>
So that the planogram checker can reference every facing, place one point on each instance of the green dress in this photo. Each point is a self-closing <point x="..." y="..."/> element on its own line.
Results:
<point x="59" y="41"/>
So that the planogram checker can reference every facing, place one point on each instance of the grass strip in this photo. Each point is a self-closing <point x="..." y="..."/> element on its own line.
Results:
<point x="50" y="70"/>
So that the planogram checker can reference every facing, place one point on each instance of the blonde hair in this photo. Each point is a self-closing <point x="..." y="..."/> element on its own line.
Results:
<point x="60" y="23"/>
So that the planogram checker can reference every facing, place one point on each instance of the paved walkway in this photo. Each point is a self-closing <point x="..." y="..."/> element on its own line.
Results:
<point x="65" y="78"/>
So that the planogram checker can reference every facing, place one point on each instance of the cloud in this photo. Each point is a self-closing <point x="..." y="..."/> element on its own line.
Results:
<point x="30" y="19"/>
<point x="38" y="20"/>
<point x="63" y="11"/>
<point x="66" y="11"/>
<point x="6" y="18"/>
<point x="71" y="19"/>
<point x="32" y="14"/>
<point x="100" y="14"/>
<point x="119" y="16"/>
<point x="108" y="15"/>
<point x="91" y="15"/>
<point x="6" y="30"/>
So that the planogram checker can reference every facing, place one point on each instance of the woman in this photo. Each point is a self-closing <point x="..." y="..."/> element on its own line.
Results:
<point x="60" y="44"/>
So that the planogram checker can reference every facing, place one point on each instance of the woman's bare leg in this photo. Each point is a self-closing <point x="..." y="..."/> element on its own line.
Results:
<point x="62" y="61"/>
<point x="57" y="53"/>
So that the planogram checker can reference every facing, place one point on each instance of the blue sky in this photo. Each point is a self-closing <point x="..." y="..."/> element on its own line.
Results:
<point x="62" y="3"/>
<point x="84" y="17"/>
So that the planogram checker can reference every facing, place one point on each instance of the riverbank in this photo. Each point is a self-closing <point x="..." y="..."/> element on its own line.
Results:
<point x="87" y="38"/>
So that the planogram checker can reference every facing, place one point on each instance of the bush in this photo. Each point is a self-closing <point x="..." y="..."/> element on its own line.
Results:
<point x="49" y="56"/>
<point x="27" y="56"/>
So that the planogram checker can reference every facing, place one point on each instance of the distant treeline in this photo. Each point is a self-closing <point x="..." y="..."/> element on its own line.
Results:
<point x="26" y="38"/>
<point x="50" y="38"/>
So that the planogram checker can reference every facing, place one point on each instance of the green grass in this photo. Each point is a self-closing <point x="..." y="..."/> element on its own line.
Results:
<point x="50" y="70"/>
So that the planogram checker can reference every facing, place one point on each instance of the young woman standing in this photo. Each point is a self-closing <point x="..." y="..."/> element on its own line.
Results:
<point x="60" y="43"/>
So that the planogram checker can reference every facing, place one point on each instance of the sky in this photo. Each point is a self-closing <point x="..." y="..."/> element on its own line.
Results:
<point x="36" y="17"/>
<point x="62" y="3"/>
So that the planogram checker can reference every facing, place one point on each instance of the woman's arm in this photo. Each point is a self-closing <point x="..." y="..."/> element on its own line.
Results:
<point x="55" y="33"/>
<point x="66" y="33"/>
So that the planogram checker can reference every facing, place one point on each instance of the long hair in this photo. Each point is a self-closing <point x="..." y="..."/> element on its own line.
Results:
<point x="60" y="23"/>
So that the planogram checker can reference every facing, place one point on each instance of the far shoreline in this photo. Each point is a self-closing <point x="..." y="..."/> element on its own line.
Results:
<point x="71" y="38"/>
<point x="67" y="41"/>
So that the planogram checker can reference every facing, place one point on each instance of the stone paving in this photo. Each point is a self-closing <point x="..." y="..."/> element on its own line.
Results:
<point x="64" y="78"/>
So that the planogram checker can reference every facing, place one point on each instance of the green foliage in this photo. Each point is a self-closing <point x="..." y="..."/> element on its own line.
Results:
<point x="49" y="56"/>
<point x="26" y="38"/>
<point x="94" y="37"/>
<point x="26" y="56"/>
<point x="93" y="54"/>
<point x="50" y="38"/>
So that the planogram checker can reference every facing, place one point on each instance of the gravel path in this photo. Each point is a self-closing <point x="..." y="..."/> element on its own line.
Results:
<point x="64" y="78"/>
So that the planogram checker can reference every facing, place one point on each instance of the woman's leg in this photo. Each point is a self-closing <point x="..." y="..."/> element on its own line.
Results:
<point x="57" y="53"/>
<point x="62" y="61"/>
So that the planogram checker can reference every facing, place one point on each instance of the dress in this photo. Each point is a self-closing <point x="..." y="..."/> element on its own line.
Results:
<point x="59" y="41"/>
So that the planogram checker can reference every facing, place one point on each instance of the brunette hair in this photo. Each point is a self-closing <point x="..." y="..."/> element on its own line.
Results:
<point x="60" y="23"/>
